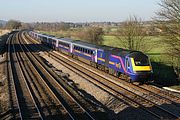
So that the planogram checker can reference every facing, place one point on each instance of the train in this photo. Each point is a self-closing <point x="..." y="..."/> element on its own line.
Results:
<point x="132" y="66"/>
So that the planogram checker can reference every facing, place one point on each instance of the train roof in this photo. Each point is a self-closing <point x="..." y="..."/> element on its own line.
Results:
<point x="121" y="52"/>
<point x="130" y="53"/>
<point x="116" y="51"/>
<point x="104" y="47"/>
<point x="66" y="39"/>
<point x="138" y="54"/>
<point x="86" y="44"/>
<point x="45" y="35"/>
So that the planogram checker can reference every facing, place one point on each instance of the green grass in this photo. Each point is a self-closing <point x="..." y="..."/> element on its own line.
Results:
<point x="176" y="87"/>
<point x="111" y="41"/>
<point x="157" y="46"/>
<point x="57" y="34"/>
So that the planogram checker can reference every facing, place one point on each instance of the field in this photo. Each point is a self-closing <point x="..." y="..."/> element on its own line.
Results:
<point x="157" y="46"/>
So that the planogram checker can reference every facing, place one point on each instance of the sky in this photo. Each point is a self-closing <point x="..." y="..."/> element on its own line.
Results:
<point x="77" y="10"/>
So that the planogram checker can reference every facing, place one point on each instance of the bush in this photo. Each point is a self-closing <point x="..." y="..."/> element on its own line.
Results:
<point x="163" y="71"/>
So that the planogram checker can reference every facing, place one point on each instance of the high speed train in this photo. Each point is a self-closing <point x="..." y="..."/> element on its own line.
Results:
<point x="122" y="63"/>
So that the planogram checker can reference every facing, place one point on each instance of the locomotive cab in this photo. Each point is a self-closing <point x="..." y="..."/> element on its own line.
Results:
<point x="138" y="64"/>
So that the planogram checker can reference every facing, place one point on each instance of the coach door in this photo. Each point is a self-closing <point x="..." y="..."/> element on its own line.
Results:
<point x="127" y="65"/>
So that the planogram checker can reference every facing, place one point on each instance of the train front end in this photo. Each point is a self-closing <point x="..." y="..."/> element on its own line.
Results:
<point x="140" y="67"/>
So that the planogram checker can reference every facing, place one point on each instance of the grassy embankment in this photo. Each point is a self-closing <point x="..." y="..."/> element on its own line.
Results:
<point x="163" y="72"/>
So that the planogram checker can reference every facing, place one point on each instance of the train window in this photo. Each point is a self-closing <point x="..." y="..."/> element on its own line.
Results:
<point x="101" y="55"/>
<point x="91" y="52"/>
<point x="127" y="63"/>
<point x="143" y="61"/>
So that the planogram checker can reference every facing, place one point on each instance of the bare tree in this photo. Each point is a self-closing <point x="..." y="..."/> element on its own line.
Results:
<point x="1" y="26"/>
<point x="13" y="24"/>
<point x="64" y="26"/>
<point x="132" y="36"/>
<point x="169" y="20"/>
<point x="26" y="26"/>
<point x="92" y="35"/>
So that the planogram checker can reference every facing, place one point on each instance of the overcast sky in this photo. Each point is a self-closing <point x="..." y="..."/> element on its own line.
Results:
<point x="76" y="10"/>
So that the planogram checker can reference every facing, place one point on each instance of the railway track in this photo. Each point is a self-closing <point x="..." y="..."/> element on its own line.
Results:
<point x="162" y="93"/>
<point x="14" y="104"/>
<point x="50" y="104"/>
<point x="25" y="102"/>
<point x="76" y="110"/>
<point x="138" y="99"/>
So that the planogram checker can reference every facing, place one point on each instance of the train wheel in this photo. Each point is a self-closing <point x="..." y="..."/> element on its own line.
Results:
<point x="116" y="74"/>
<point x="129" y="80"/>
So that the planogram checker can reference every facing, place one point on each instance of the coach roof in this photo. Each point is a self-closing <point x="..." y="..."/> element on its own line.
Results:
<point x="66" y="39"/>
<point x="85" y="44"/>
